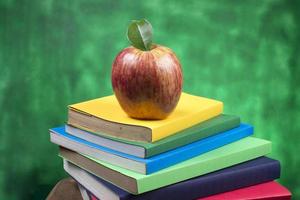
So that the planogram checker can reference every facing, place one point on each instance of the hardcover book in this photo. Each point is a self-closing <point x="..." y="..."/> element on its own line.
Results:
<point x="144" y="150"/>
<point x="268" y="191"/>
<point x="136" y="183"/>
<point x="105" y="116"/>
<point x="246" y="174"/>
<point x="154" y="163"/>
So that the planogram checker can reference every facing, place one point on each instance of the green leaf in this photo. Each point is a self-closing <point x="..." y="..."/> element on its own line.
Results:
<point x="139" y="33"/>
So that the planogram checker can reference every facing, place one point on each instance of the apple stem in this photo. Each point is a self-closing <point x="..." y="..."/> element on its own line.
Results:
<point x="139" y="34"/>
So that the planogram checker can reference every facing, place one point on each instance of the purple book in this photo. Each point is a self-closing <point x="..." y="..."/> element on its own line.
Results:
<point x="249" y="173"/>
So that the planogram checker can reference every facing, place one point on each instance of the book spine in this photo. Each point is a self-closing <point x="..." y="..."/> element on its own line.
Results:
<point x="210" y="185"/>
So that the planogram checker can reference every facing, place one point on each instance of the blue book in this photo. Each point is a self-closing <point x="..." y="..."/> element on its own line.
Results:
<point x="253" y="172"/>
<point x="154" y="163"/>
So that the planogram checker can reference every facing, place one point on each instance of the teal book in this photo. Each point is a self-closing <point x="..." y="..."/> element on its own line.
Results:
<point x="136" y="183"/>
<point x="200" y="131"/>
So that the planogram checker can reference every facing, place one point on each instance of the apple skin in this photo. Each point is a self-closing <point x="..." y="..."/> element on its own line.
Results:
<point x="147" y="84"/>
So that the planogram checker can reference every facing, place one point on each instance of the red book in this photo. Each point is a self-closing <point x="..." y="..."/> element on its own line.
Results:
<point x="268" y="191"/>
<point x="93" y="197"/>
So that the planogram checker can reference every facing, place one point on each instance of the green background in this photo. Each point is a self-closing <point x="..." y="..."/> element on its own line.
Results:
<point x="54" y="53"/>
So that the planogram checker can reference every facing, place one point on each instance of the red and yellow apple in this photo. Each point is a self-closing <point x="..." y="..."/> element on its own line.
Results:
<point x="147" y="83"/>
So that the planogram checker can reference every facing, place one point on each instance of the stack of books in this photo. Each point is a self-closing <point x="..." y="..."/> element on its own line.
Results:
<point x="197" y="152"/>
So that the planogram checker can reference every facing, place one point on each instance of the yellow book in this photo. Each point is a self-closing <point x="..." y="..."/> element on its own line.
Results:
<point x="104" y="116"/>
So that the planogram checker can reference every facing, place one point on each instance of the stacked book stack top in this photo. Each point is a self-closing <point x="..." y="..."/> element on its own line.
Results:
<point x="196" y="152"/>
<point x="104" y="116"/>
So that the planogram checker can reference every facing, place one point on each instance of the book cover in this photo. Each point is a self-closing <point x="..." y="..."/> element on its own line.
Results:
<point x="104" y="115"/>
<point x="136" y="183"/>
<point x="154" y="163"/>
<point x="144" y="150"/>
<point x="246" y="174"/>
<point x="268" y="191"/>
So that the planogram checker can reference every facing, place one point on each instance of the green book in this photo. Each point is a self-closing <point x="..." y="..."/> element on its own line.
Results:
<point x="144" y="150"/>
<point x="226" y="156"/>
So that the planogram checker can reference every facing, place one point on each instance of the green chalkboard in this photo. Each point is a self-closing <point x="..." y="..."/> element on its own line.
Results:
<point x="54" y="53"/>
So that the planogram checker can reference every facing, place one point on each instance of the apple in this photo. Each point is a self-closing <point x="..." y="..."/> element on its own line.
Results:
<point x="147" y="81"/>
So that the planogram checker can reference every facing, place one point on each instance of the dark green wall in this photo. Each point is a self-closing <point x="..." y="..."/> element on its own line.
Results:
<point x="54" y="53"/>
